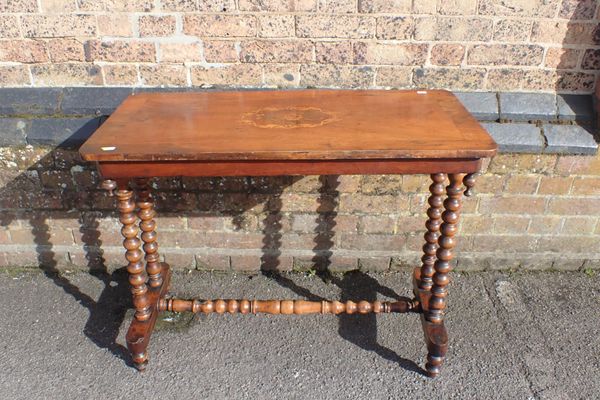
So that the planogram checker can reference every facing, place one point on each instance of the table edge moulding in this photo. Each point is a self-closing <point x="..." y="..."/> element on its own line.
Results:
<point x="296" y="132"/>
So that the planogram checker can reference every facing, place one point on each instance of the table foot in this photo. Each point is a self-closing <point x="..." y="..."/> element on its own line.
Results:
<point x="436" y="336"/>
<point x="138" y="335"/>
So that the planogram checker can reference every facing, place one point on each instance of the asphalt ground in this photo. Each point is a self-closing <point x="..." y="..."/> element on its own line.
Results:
<point x="512" y="336"/>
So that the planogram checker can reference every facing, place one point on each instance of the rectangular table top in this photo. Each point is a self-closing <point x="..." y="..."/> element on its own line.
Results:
<point x="289" y="125"/>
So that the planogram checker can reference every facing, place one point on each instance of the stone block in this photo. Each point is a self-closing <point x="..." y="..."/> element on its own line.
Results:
<point x="516" y="138"/>
<point x="575" y="107"/>
<point x="571" y="139"/>
<point x="36" y="101"/>
<point x="92" y="101"/>
<point x="68" y="132"/>
<point x="483" y="106"/>
<point x="13" y="131"/>
<point x="528" y="106"/>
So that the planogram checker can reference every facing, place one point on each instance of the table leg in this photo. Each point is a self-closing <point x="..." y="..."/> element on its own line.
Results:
<point x="434" y="214"/>
<point x="433" y="309"/>
<point x="146" y="214"/>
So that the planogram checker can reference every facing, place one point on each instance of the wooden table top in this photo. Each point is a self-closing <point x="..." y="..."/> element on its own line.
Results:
<point x="289" y="125"/>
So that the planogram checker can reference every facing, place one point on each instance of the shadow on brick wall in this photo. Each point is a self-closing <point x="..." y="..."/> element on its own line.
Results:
<point x="59" y="196"/>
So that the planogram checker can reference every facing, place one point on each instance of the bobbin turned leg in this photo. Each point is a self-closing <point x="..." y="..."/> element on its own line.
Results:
<point x="146" y="214"/>
<point x="433" y="321"/>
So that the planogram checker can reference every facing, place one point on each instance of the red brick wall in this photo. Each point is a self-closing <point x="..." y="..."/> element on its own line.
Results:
<point x="531" y="211"/>
<point x="529" y="45"/>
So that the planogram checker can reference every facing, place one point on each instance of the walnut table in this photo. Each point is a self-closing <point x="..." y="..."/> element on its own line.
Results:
<point x="265" y="133"/>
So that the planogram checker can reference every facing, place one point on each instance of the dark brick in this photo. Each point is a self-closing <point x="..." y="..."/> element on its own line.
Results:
<point x="37" y="101"/>
<point x="93" y="101"/>
<point x="68" y="132"/>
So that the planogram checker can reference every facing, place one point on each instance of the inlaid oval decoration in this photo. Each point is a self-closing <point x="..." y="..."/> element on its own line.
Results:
<point x="288" y="117"/>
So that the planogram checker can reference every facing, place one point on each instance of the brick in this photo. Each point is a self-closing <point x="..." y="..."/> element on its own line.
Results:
<point x="184" y="5"/>
<point x="216" y="5"/>
<point x="447" y="54"/>
<point x="282" y="75"/>
<point x="502" y="243"/>
<point x="448" y="78"/>
<point x="475" y="224"/>
<point x="384" y="6"/>
<point x="24" y="51"/>
<point x="283" y="51"/>
<point x="522" y="184"/>
<point x="208" y="262"/>
<point x="482" y="105"/>
<point x="539" y="80"/>
<point x="554" y="185"/>
<point x="572" y="139"/>
<point x="574" y="206"/>
<point x="115" y="25"/>
<point x="562" y="32"/>
<point x="118" y="50"/>
<point x="511" y="225"/>
<point x="505" y="54"/>
<point x="577" y="9"/>
<point x="512" y="30"/>
<point x="528" y="106"/>
<point x="163" y="75"/>
<point x="372" y="241"/>
<point x="9" y="26"/>
<point x="578" y="226"/>
<point x="395" y="28"/>
<point x="455" y="29"/>
<point x="66" y="74"/>
<point x="522" y="163"/>
<point x="29" y="100"/>
<point x="516" y="138"/>
<point x="372" y="204"/>
<point x="569" y="244"/>
<point x="337" y="6"/>
<point x="130" y="5"/>
<point x="151" y="25"/>
<point x="575" y="107"/>
<point x="334" y="52"/>
<point x="397" y="77"/>
<point x="275" y="5"/>
<point x="377" y="224"/>
<point x="512" y="205"/>
<point x="460" y="7"/>
<point x="67" y="49"/>
<point x="180" y="52"/>
<point x="591" y="59"/>
<point x="575" y="82"/>
<point x="384" y="53"/>
<point x="217" y="51"/>
<point x="234" y="74"/>
<point x="415" y="183"/>
<point x="14" y="131"/>
<point x="219" y="25"/>
<point x="340" y="26"/>
<point x="560" y="58"/>
<point x="381" y="184"/>
<point x="586" y="187"/>
<point x="374" y="264"/>
<point x="57" y="6"/>
<point x="280" y="26"/>
<point x="63" y="131"/>
<point x="92" y="101"/>
<point x="322" y="75"/>
<point x="504" y="79"/>
<point x="489" y="183"/>
<point x="424" y="7"/>
<point x="120" y="75"/>
<point x="584" y="165"/>
<point x="40" y="26"/>
<point x="533" y="8"/>
<point x="18" y="6"/>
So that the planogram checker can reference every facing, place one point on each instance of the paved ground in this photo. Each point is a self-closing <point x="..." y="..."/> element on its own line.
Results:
<point x="517" y="336"/>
